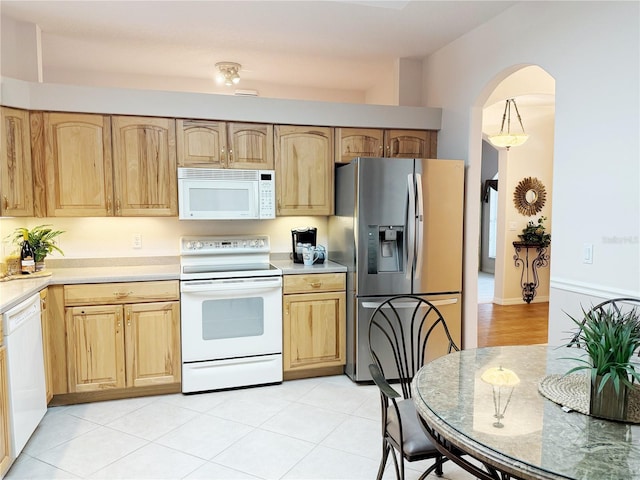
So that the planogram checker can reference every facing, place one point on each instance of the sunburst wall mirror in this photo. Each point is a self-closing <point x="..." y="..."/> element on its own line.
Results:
<point x="529" y="196"/>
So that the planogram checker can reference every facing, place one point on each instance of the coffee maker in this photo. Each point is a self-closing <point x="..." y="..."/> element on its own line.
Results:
<point x="299" y="237"/>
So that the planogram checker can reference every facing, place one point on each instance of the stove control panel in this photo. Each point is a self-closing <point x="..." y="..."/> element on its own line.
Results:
<point x="212" y="245"/>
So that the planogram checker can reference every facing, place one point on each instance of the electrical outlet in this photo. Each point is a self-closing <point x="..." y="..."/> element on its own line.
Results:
<point x="137" y="241"/>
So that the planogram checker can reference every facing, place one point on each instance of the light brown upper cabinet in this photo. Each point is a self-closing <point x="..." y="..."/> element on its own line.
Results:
<point x="410" y="143"/>
<point x="144" y="162"/>
<point x="374" y="142"/>
<point x="212" y="144"/>
<point x="74" y="151"/>
<point x="358" y="142"/>
<point x="15" y="164"/>
<point x="304" y="170"/>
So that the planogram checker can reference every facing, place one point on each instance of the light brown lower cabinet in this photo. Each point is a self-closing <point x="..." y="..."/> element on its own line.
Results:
<point x="122" y="345"/>
<point x="5" y="446"/>
<point x="314" y="326"/>
<point x="46" y="350"/>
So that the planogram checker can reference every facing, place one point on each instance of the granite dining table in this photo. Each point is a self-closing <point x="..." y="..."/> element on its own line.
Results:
<point x="486" y="404"/>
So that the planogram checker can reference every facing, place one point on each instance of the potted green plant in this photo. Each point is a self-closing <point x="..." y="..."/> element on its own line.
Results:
<point x="535" y="233"/>
<point x="610" y="337"/>
<point x="41" y="239"/>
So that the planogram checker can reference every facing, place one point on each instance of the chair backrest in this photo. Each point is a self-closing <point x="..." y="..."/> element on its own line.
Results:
<point x="618" y="305"/>
<point x="404" y="332"/>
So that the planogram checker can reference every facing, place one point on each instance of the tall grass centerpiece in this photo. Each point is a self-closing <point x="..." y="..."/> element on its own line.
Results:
<point x="610" y="338"/>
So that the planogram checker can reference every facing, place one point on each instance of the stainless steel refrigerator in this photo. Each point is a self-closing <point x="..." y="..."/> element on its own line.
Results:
<point x="398" y="229"/>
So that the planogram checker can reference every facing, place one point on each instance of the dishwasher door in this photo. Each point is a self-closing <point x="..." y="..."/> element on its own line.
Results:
<point x="25" y="365"/>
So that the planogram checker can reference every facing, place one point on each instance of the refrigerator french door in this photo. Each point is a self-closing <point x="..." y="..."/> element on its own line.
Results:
<point x="398" y="229"/>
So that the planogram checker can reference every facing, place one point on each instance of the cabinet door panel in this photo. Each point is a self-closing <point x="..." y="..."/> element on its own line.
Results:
<point x="410" y="143"/>
<point x="78" y="164"/>
<point x="144" y="156"/>
<point x="46" y="349"/>
<point x="358" y="142"/>
<point x="314" y="330"/>
<point x="201" y="143"/>
<point x="15" y="164"/>
<point x="250" y="146"/>
<point x="153" y="343"/>
<point x="304" y="170"/>
<point x="95" y="348"/>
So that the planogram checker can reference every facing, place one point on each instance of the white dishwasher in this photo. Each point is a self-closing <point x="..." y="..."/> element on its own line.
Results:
<point x="25" y="364"/>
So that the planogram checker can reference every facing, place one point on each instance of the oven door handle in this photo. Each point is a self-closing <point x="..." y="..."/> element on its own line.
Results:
<point x="239" y="285"/>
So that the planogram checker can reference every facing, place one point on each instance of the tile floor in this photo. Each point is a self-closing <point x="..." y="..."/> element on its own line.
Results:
<point x="486" y="283"/>
<point x="320" y="428"/>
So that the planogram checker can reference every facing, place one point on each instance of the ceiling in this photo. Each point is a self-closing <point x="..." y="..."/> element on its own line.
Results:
<point x="326" y="44"/>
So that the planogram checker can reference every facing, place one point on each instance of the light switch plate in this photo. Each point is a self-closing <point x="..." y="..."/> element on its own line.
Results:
<point x="136" y="241"/>
<point x="587" y="253"/>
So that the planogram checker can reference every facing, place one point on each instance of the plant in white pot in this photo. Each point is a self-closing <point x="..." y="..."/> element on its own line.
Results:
<point x="610" y="337"/>
<point x="42" y="240"/>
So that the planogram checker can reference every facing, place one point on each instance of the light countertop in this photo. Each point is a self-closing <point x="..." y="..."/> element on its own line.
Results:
<point x="16" y="290"/>
<point x="108" y="270"/>
<point x="288" y="267"/>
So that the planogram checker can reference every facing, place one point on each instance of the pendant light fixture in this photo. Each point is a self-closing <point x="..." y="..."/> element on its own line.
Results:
<point x="228" y="73"/>
<point x="509" y="139"/>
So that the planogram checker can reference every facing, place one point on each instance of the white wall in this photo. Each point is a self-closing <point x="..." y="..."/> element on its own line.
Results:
<point x="24" y="62"/>
<point x="592" y="51"/>
<point x="112" y="237"/>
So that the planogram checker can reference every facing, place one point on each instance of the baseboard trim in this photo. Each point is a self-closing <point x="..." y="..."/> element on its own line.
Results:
<point x="591" y="289"/>
<point x="519" y="300"/>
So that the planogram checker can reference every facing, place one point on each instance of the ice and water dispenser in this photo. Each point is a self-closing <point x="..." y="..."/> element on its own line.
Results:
<point x="385" y="250"/>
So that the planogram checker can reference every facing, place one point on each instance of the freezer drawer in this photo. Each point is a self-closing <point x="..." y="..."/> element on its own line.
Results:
<point x="359" y="358"/>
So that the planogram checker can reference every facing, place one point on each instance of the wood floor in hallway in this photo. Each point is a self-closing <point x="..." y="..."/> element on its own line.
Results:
<point x="500" y="325"/>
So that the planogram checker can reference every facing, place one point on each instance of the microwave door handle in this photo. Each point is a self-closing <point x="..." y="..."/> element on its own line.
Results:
<point x="411" y="221"/>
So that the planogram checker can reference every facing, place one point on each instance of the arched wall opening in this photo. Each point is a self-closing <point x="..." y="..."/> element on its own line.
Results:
<point x="534" y="90"/>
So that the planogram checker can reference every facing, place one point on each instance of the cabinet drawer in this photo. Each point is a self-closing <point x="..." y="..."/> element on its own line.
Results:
<point x="126" y="292"/>
<point x="318" y="282"/>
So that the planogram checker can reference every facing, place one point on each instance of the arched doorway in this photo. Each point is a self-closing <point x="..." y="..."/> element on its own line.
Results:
<point x="534" y="91"/>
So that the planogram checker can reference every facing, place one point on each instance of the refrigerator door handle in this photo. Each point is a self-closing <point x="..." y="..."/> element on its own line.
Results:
<point x="437" y="303"/>
<point x="411" y="223"/>
<point x="419" y="226"/>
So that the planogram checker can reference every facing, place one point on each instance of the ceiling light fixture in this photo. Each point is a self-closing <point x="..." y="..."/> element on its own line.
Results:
<point x="228" y="73"/>
<point x="508" y="139"/>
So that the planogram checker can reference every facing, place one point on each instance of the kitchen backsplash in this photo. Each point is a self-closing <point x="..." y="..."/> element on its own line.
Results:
<point x="114" y="237"/>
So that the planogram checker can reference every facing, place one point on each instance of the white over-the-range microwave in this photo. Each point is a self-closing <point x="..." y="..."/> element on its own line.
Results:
<point x="226" y="194"/>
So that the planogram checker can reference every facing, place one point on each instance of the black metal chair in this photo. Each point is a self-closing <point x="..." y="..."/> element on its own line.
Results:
<point x="402" y="332"/>
<point x="618" y="305"/>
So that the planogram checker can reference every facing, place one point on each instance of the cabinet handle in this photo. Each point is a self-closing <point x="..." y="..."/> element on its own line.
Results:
<point x="128" y="318"/>
<point x="108" y="204"/>
<point x="121" y="294"/>
<point x="316" y="284"/>
<point x="230" y="156"/>
<point x="223" y="156"/>
<point x="5" y="202"/>
<point x="117" y="206"/>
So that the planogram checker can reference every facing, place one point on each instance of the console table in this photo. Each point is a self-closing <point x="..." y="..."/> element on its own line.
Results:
<point x="529" y="275"/>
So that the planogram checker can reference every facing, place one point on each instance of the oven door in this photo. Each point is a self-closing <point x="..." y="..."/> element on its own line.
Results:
<point x="231" y="318"/>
